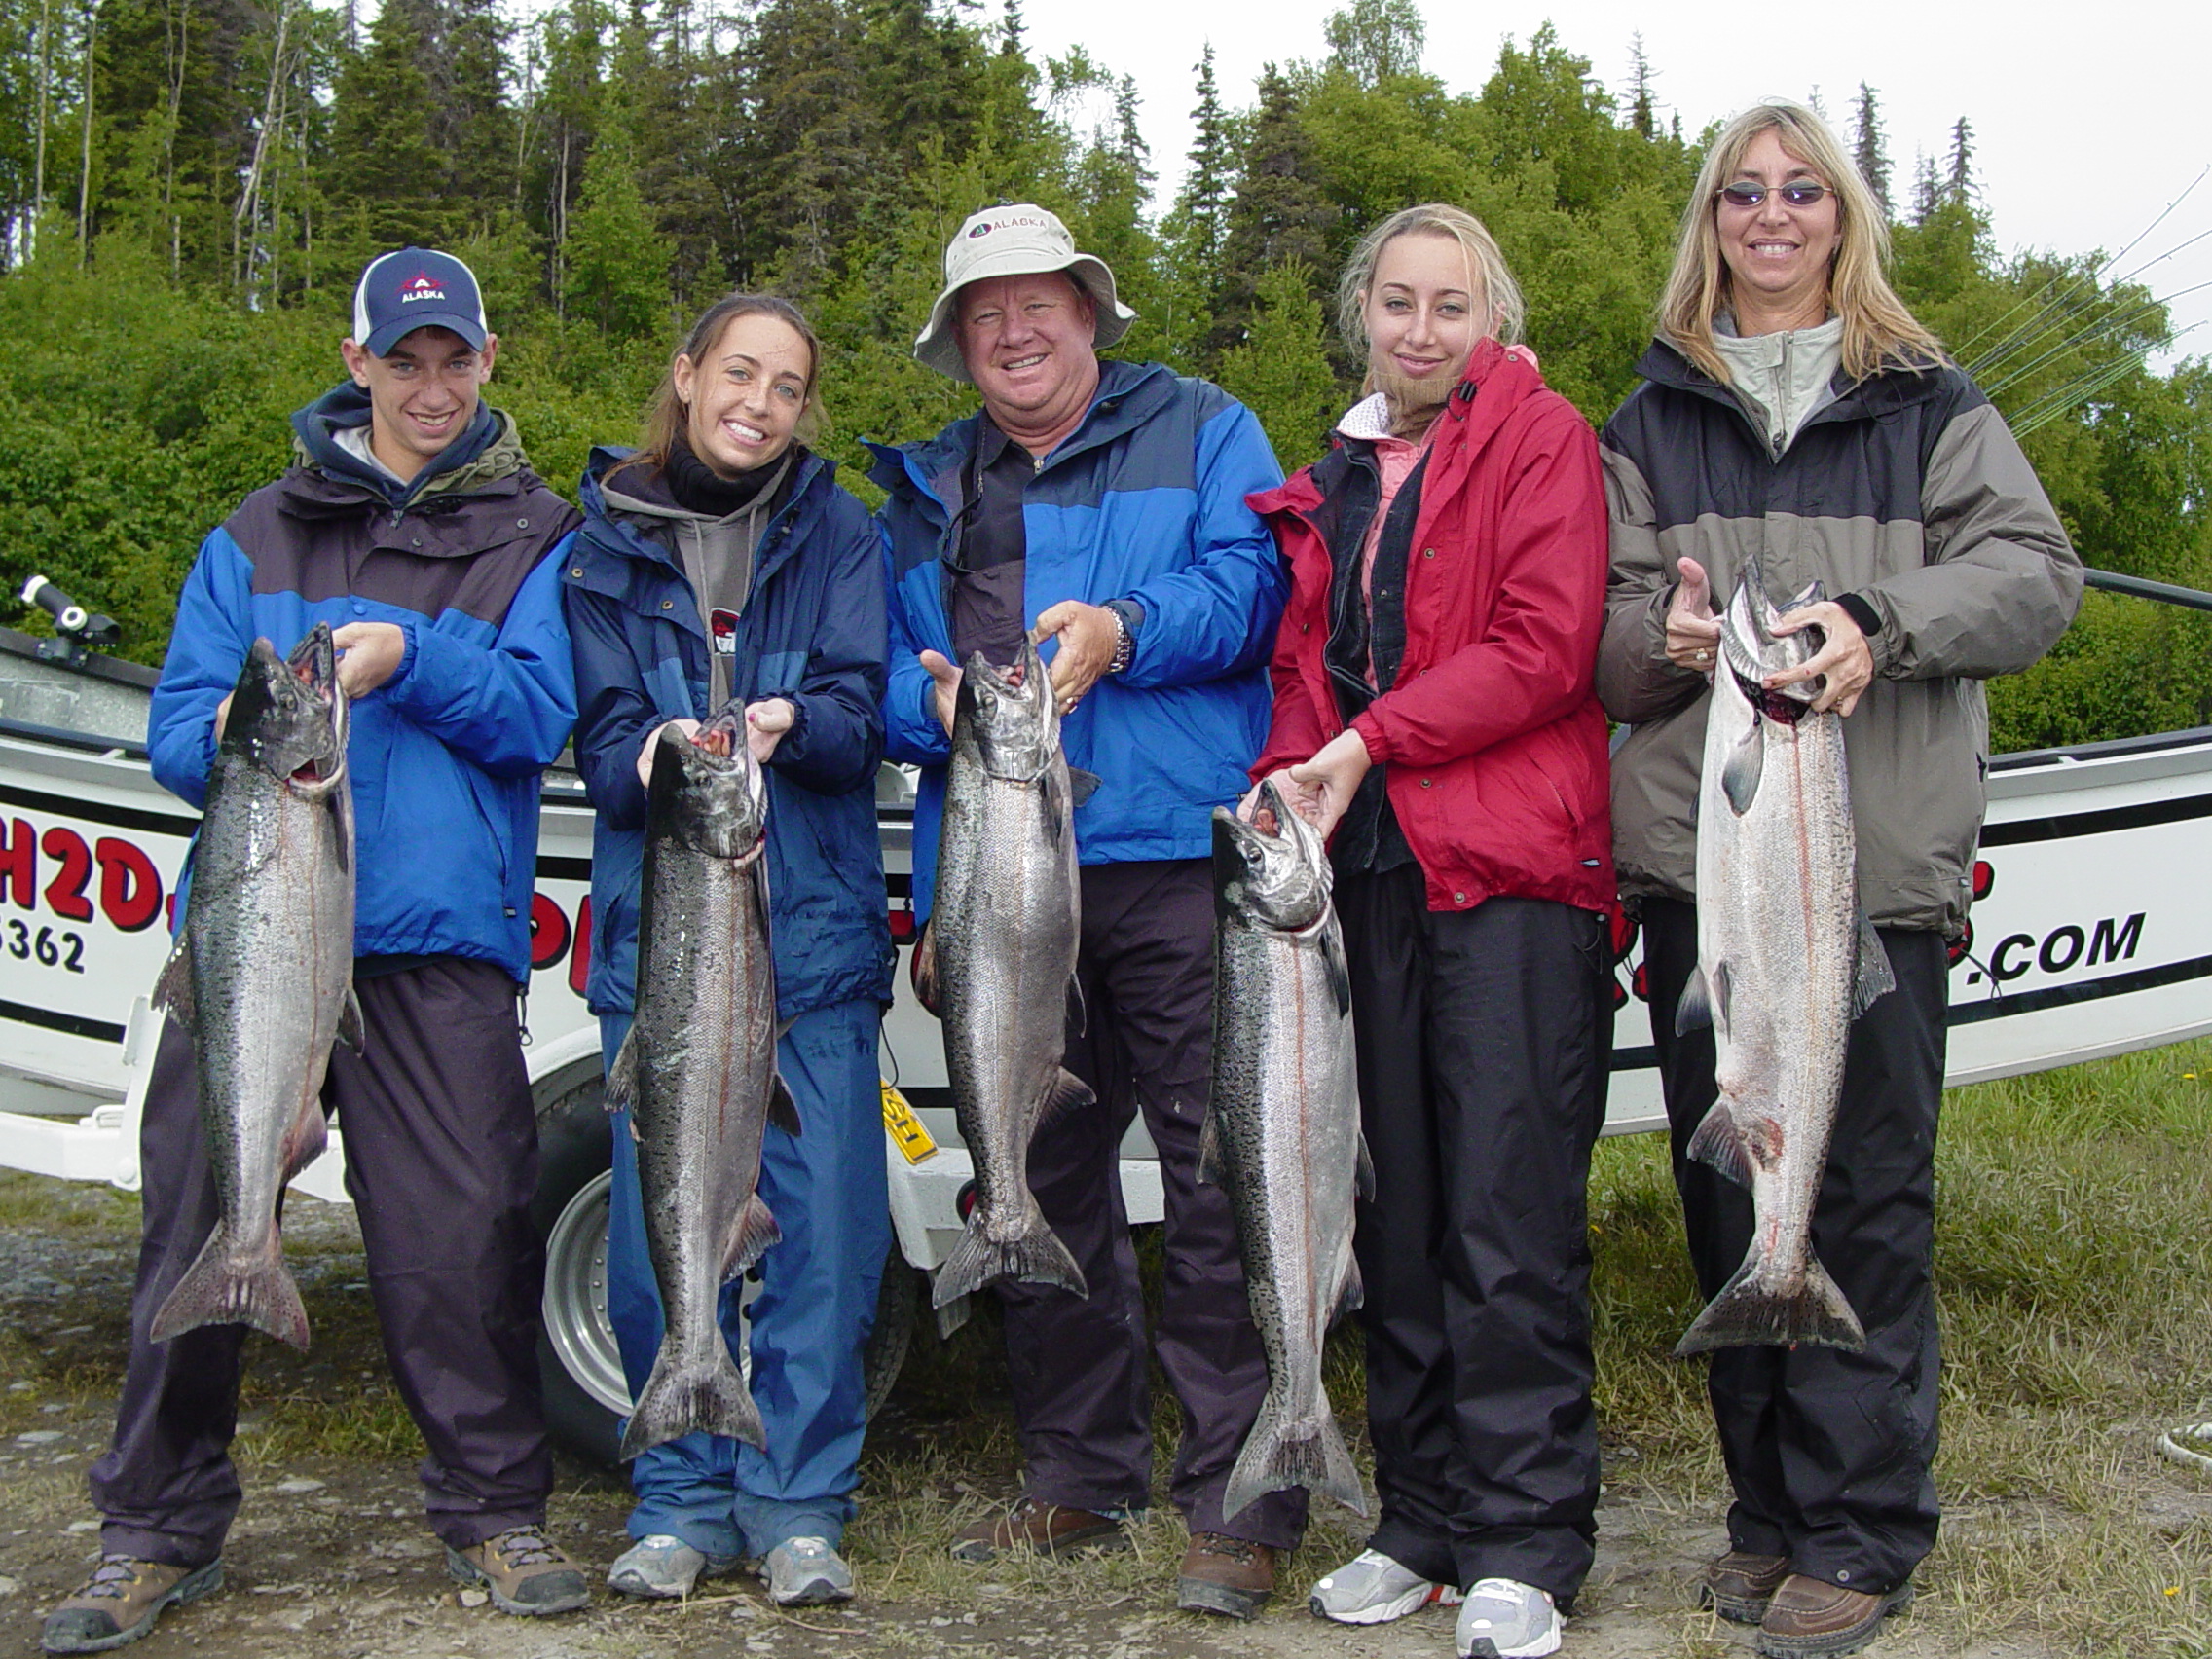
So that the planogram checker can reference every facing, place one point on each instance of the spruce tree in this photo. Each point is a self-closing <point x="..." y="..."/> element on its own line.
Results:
<point x="1643" y="103"/>
<point x="1870" y="148"/>
<point x="1957" y="179"/>
<point x="618" y="261"/>
<point x="1281" y="371"/>
<point x="385" y="166"/>
<point x="1280" y="214"/>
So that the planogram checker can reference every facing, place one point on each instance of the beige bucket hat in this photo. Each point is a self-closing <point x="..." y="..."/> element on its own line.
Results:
<point x="1016" y="240"/>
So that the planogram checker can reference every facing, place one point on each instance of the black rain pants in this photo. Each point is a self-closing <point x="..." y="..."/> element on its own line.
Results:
<point x="441" y="1161"/>
<point x="1831" y="1453"/>
<point x="1484" y="1039"/>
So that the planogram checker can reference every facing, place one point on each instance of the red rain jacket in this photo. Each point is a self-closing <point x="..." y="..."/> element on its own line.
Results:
<point x="1491" y="732"/>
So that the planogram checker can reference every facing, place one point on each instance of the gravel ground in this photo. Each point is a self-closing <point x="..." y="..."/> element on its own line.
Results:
<point x="329" y="1558"/>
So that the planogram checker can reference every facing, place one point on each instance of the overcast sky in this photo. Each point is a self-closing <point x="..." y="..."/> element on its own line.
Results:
<point x="2086" y="118"/>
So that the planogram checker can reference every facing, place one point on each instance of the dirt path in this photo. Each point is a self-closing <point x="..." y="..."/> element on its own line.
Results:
<point x="329" y="1558"/>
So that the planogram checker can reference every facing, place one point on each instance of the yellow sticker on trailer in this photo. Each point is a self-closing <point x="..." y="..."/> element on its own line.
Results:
<point x="904" y="1129"/>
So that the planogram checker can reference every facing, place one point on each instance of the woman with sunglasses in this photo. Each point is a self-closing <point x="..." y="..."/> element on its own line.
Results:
<point x="1795" y="410"/>
<point x="719" y="562"/>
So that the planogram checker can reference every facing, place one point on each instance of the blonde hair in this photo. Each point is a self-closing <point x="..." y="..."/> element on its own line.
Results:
<point x="668" y="417"/>
<point x="1500" y="293"/>
<point x="1878" y="332"/>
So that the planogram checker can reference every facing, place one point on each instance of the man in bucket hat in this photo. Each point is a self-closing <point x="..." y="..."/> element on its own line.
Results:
<point x="410" y="521"/>
<point x="1098" y="508"/>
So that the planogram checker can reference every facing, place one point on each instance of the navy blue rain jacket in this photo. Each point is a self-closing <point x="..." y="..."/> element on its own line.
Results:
<point x="1144" y="501"/>
<point x="813" y="631"/>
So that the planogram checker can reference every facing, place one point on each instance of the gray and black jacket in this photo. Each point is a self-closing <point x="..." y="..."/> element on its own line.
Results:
<point x="1907" y="493"/>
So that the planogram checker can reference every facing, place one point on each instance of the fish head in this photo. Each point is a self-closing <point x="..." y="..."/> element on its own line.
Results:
<point x="1752" y="649"/>
<point x="1277" y="879"/>
<point x="288" y="714"/>
<point x="708" y="792"/>
<point x="1010" y="715"/>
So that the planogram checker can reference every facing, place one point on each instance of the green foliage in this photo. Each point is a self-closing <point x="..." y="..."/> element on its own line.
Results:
<point x="1281" y="371"/>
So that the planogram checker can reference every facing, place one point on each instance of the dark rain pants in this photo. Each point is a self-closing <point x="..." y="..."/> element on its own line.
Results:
<point x="1143" y="1034"/>
<point x="441" y="1160"/>
<point x="1830" y="1452"/>
<point x="1484" y="1039"/>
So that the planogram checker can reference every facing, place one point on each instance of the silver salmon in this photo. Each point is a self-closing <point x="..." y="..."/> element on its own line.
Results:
<point x="698" y="1070"/>
<point x="263" y="975"/>
<point x="1786" y="962"/>
<point x="997" y="961"/>
<point x="1282" y="1137"/>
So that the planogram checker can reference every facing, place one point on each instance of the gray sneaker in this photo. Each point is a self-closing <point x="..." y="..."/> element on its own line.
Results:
<point x="1503" y="1618"/>
<point x="664" y="1567"/>
<point x="805" y="1573"/>
<point x="1372" y="1588"/>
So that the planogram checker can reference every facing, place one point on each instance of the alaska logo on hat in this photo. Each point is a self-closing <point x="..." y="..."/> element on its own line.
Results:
<point x="441" y="293"/>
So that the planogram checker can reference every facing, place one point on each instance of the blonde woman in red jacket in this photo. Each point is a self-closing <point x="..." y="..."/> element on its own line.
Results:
<point x="1434" y="714"/>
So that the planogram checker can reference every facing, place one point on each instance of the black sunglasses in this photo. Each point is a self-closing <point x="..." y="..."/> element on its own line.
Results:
<point x="1799" y="193"/>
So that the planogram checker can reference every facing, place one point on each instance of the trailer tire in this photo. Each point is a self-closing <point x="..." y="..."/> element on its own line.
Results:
<point x="580" y="1368"/>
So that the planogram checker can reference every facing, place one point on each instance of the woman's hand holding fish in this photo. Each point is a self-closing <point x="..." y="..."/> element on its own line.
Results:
<point x="1320" y="788"/>
<point x="945" y="675"/>
<point x="1693" y="632"/>
<point x="765" y="723"/>
<point x="1844" y="658"/>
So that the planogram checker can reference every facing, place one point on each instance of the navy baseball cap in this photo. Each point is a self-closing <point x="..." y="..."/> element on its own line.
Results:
<point x="416" y="288"/>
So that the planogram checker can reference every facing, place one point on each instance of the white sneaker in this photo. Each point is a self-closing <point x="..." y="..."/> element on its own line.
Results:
<point x="662" y="1567"/>
<point x="1372" y="1589"/>
<point x="1503" y="1618"/>
<point x="806" y="1572"/>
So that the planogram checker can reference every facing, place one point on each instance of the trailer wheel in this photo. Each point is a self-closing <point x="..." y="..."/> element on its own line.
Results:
<point x="579" y="1367"/>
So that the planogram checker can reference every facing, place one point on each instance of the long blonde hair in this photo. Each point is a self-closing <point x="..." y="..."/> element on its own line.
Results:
<point x="1878" y="332"/>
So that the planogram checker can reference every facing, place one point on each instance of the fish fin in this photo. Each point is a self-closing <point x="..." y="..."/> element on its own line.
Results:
<point x="679" y="1399"/>
<point x="1213" y="1166"/>
<point x="1284" y="1452"/>
<point x="1695" y="1011"/>
<point x="172" y="991"/>
<point x="924" y="971"/>
<point x="1335" y="969"/>
<point x="1744" y="1313"/>
<point x="1363" y="1171"/>
<point x="622" y="1076"/>
<point x="1874" y="979"/>
<point x="1035" y="1255"/>
<point x="952" y="1315"/>
<point x="223" y="1288"/>
<point x="1719" y="1144"/>
<point x="1352" y="1290"/>
<point x="1081" y="785"/>
<point x="350" y="1027"/>
<point x="751" y="1237"/>
<point x="782" y="1110"/>
<point x="1057" y="806"/>
<point x="1740" y="773"/>
<point x="305" y="1140"/>
<point x="1068" y="1093"/>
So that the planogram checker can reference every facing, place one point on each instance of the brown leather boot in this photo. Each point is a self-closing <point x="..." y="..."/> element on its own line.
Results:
<point x="1810" y="1618"/>
<point x="1045" y="1528"/>
<point x="120" y="1602"/>
<point x="1740" y="1585"/>
<point x="1230" y="1577"/>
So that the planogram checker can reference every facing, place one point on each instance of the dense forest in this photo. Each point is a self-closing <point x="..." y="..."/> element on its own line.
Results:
<point x="188" y="187"/>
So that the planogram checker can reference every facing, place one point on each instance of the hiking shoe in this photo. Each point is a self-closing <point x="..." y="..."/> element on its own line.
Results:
<point x="1810" y="1618"/>
<point x="662" y="1567"/>
<point x="120" y="1602"/>
<point x="1230" y="1577"/>
<point x="1046" y="1528"/>
<point x="525" y="1570"/>
<point x="1503" y="1618"/>
<point x="1740" y="1585"/>
<point x="1372" y="1589"/>
<point x="806" y="1572"/>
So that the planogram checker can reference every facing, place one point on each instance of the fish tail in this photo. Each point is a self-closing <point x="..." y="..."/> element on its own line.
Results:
<point x="1744" y="1314"/>
<point x="223" y="1287"/>
<point x="681" y="1397"/>
<point x="1283" y="1451"/>
<point x="1034" y="1256"/>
